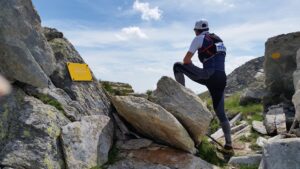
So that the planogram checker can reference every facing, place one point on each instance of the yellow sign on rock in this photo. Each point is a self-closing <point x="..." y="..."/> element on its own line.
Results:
<point x="276" y="55"/>
<point x="79" y="72"/>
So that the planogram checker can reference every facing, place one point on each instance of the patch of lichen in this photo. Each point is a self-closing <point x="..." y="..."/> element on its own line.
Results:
<point x="48" y="162"/>
<point x="3" y="119"/>
<point x="26" y="133"/>
<point x="53" y="130"/>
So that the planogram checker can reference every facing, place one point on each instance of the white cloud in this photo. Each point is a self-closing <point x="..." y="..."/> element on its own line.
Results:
<point x="132" y="32"/>
<point x="147" y="12"/>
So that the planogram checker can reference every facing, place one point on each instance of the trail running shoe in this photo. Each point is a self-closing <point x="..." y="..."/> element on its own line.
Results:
<point x="228" y="150"/>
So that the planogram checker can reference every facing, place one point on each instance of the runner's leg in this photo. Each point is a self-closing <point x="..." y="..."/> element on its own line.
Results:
<point x="193" y="72"/>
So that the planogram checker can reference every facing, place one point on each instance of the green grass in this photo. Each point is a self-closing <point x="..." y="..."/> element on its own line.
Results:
<point x="214" y="125"/>
<point x="207" y="152"/>
<point x="149" y="92"/>
<point x="254" y="110"/>
<point x="107" y="87"/>
<point x="248" y="166"/>
<point x="252" y="139"/>
<point x="50" y="101"/>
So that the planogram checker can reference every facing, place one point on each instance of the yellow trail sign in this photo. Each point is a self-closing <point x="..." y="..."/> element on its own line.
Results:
<point x="79" y="72"/>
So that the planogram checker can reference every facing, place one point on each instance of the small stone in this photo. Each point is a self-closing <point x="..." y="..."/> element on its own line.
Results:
<point x="259" y="127"/>
<point x="247" y="160"/>
<point x="261" y="141"/>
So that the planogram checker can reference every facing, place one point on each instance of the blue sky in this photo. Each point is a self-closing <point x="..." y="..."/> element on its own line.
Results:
<point x="137" y="41"/>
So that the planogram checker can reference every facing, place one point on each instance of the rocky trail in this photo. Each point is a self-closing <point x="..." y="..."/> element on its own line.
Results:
<point x="49" y="121"/>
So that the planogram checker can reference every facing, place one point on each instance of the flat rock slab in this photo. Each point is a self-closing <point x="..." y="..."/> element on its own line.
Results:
<point x="153" y="121"/>
<point x="282" y="154"/>
<point x="259" y="127"/>
<point x="247" y="160"/>
<point x="86" y="143"/>
<point x="135" y="164"/>
<point x="168" y="157"/>
<point x="185" y="105"/>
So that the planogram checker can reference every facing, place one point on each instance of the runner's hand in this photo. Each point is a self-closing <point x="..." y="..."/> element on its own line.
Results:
<point x="188" y="58"/>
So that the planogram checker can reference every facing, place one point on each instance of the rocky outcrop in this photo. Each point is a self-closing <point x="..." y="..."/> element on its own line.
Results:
<point x="153" y="121"/>
<point x="29" y="132"/>
<point x="22" y="43"/>
<point x="86" y="143"/>
<point x="244" y="75"/>
<point x="279" y="66"/>
<point x="283" y="153"/>
<point x="89" y="95"/>
<point x="44" y="99"/>
<point x="117" y="88"/>
<point x="186" y="106"/>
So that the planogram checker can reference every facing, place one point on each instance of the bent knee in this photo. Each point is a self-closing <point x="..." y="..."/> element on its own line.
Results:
<point x="177" y="65"/>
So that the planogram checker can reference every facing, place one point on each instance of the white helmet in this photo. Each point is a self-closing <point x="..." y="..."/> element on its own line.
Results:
<point x="202" y="24"/>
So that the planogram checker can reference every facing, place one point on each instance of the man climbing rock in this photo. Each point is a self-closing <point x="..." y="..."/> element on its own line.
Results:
<point x="211" y="52"/>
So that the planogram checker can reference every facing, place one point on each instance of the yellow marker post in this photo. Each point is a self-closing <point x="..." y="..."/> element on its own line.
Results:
<point x="276" y="55"/>
<point x="79" y="72"/>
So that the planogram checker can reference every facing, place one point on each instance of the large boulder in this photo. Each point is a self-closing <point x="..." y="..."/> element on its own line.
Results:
<point x="22" y="43"/>
<point x="296" y="75"/>
<point x="29" y="133"/>
<point x="87" y="143"/>
<point x="279" y="66"/>
<point x="89" y="95"/>
<point x="252" y="95"/>
<point x="283" y="153"/>
<point x="296" y="96"/>
<point x="185" y="105"/>
<point x="153" y="121"/>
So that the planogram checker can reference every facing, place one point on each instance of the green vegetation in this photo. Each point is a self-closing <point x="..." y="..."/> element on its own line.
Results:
<point x="250" y="112"/>
<point x="248" y="166"/>
<point x="149" y="92"/>
<point x="251" y="139"/>
<point x="50" y="101"/>
<point x="207" y="152"/>
<point x="113" y="157"/>
<point x="107" y="87"/>
<point x="214" y="125"/>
